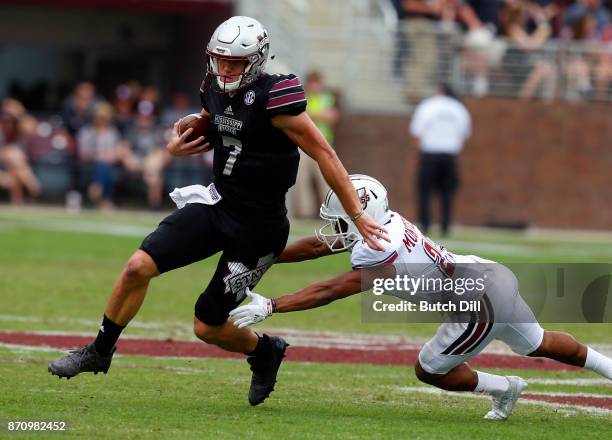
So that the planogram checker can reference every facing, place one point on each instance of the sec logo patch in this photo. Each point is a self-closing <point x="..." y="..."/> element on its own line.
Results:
<point x="249" y="97"/>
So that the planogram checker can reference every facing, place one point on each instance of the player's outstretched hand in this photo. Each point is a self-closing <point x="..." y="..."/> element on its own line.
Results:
<point x="178" y="147"/>
<point x="371" y="231"/>
<point x="257" y="310"/>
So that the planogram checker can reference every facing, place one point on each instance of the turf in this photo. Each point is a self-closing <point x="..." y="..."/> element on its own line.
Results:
<point x="165" y="398"/>
<point x="56" y="271"/>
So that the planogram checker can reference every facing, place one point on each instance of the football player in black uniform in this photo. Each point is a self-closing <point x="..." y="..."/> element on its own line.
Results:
<point x="256" y="122"/>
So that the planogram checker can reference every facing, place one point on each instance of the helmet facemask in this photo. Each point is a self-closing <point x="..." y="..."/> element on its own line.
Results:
<point x="338" y="232"/>
<point x="244" y="79"/>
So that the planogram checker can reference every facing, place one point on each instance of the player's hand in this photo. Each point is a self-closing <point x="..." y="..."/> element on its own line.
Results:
<point x="371" y="232"/>
<point x="257" y="310"/>
<point x="179" y="147"/>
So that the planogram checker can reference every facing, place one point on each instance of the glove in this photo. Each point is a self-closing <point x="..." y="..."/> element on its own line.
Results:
<point x="257" y="310"/>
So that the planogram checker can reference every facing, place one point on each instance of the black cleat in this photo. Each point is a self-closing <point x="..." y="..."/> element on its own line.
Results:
<point x="80" y="361"/>
<point x="265" y="370"/>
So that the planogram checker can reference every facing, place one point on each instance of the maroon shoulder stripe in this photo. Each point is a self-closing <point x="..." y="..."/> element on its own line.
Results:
<point x="292" y="82"/>
<point x="290" y="98"/>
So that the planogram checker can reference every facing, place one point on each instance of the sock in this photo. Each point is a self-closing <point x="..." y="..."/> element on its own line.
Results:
<point x="263" y="348"/>
<point x="598" y="363"/>
<point x="491" y="383"/>
<point x="107" y="336"/>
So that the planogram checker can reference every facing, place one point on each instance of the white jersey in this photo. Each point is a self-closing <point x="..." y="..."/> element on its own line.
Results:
<point x="408" y="246"/>
<point x="413" y="254"/>
<point x="503" y="314"/>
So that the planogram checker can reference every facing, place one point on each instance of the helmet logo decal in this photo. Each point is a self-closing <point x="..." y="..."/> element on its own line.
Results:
<point x="249" y="97"/>
<point x="364" y="197"/>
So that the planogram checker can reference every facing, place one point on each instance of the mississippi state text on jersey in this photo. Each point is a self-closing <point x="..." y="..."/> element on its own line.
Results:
<point x="254" y="163"/>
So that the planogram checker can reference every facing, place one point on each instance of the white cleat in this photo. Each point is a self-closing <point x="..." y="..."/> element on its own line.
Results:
<point x="503" y="404"/>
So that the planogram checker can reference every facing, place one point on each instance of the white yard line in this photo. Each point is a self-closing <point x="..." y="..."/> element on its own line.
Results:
<point x="589" y="409"/>
<point x="571" y="382"/>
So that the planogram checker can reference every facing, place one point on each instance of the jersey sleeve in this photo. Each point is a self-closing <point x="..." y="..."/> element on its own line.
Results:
<point x="363" y="256"/>
<point x="203" y="96"/>
<point x="286" y="97"/>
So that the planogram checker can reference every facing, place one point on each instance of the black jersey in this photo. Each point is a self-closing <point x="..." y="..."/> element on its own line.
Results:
<point x="254" y="162"/>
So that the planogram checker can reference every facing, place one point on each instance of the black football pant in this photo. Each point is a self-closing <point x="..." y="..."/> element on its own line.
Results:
<point x="249" y="247"/>
<point x="438" y="172"/>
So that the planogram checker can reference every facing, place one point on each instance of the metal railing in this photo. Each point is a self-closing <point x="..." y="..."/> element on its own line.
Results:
<point x="380" y="64"/>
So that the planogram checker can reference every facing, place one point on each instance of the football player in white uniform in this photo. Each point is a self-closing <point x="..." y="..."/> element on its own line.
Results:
<point x="504" y="315"/>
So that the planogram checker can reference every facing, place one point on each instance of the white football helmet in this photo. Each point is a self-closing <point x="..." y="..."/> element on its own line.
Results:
<point x="238" y="38"/>
<point x="339" y="233"/>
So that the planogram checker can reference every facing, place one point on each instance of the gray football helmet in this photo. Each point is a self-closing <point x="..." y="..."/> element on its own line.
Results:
<point x="238" y="38"/>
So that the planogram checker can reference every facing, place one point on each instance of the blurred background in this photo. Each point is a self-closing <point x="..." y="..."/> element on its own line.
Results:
<point x="90" y="90"/>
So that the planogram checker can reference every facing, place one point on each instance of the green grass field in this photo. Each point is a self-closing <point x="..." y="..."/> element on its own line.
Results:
<point x="56" y="271"/>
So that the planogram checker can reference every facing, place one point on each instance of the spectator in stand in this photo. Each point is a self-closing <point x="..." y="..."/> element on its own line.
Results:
<point x="482" y="49"/>
<point x="310" y="186"/>
<point x="421" y="32"/>
<point x="78" y="107"/>
<point x="180" y="106"/>
<point x="588" y="21"/>
<point x="101" y="148"/>
<point x="441" y="124"/>
<point x="596" y="8"/>
<point x="17" y="127"/>
<point x="400" y="55"/>
<point x="577" y="61"/>
<point x="124" y="103"/>
<point x="524" y="59"/>
<point x="146" y="144"/>
<point x="149" y="98"/>
<point x="603" y="68"/>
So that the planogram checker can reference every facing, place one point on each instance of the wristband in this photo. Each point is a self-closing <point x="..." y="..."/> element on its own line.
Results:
<point x="357" y="216"/>
<point x="273" y="304"/>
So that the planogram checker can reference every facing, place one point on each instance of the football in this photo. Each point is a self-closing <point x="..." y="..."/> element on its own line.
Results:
<point x="198" y="122"/>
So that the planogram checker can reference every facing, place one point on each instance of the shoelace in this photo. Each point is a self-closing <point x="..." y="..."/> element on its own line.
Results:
<point x="79" y="350"/>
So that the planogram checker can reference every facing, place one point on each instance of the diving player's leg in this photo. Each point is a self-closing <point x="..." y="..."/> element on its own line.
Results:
<point x="182" y="238"/>
<point x="525" y="336"/>
<point x="563" y="347"/>
<point x="443" y="360"/>
<point x="459" y="378"/>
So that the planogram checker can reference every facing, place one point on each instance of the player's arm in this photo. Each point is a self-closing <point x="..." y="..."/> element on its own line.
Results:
<point x="177" y="145"/>
<point x="307" y="248"/>
<point x="303" y="132"/>
<point x="315" y="295"/>
<point x="320" y="293"/>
